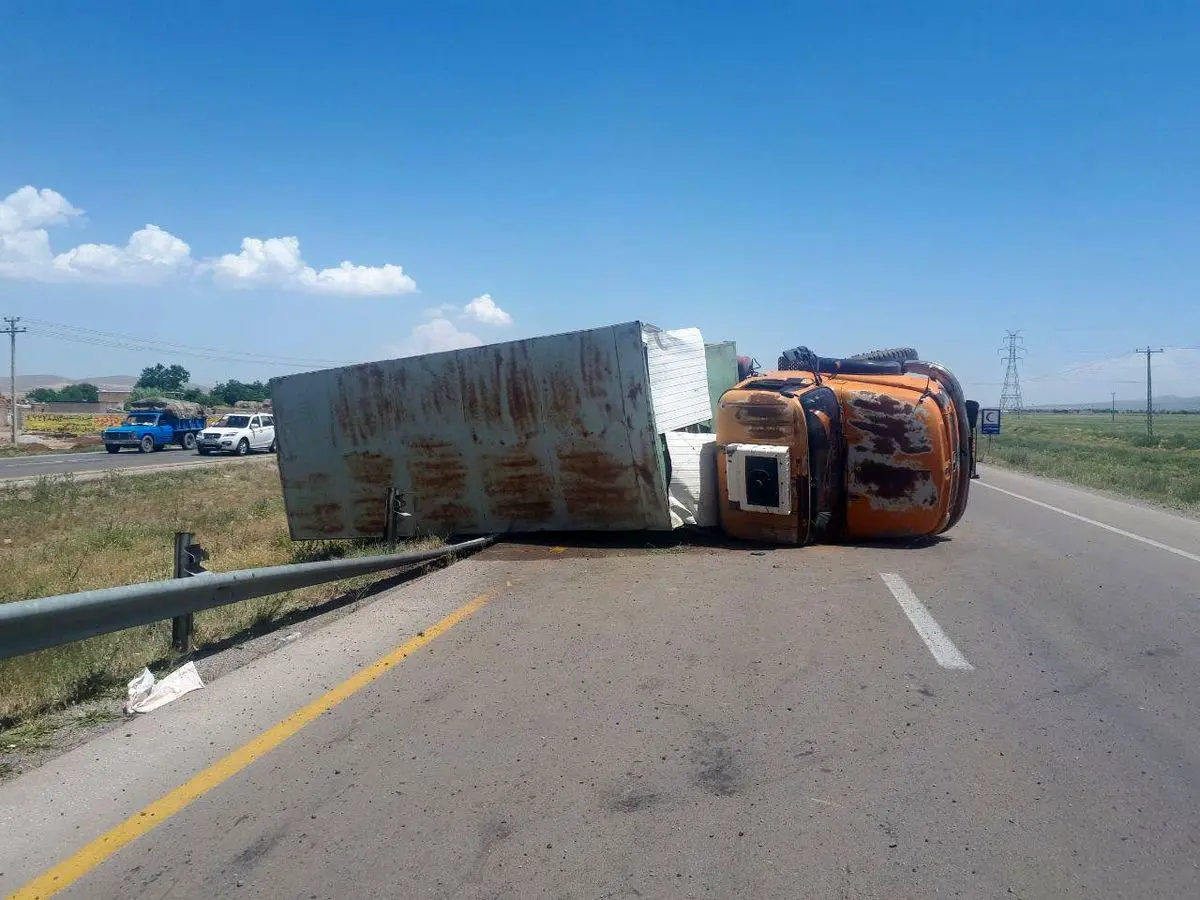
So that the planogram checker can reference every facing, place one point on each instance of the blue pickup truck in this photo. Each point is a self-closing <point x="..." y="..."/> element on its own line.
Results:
<point x="152" y="429"/>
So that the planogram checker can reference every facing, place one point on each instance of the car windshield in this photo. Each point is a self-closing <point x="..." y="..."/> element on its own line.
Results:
<point x="234" y="422"/>
<point x="142" y="419"/>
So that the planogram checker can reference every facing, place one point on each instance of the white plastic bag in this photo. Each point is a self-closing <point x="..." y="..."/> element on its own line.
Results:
<point x="145" y="694"/>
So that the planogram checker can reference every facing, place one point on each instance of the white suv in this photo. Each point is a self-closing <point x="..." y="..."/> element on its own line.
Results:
<point x="239" y="433"/>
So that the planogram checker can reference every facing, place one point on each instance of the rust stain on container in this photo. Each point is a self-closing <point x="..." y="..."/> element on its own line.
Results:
<point x="442" y="397"/>
<point x="564" y="400"/>
<point x="522" y="391"/>
<point x="449" y="516"/>
<point x="518" y="489"/>
<point x="436" y="469"/>
<point x="595" y="485"/>
<point x="595" y="369"/>
<point x="326" y="518"/>
<point x="481" y="398"/>
<point x="371" y="468"/>
<point x="370" y="514"/>
<point x="345" y="419"/>
<point x="316" y="481"/>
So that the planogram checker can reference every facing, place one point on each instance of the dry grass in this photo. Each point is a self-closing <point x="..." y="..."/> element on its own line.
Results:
<point x="53" y="443"/>
<point x="62" y="535"/>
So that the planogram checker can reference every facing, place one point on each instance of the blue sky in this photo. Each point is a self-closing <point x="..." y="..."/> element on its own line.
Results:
<point x="842" y="175"/>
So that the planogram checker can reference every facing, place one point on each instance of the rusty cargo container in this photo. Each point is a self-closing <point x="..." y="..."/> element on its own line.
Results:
<point x="553" y="433"/>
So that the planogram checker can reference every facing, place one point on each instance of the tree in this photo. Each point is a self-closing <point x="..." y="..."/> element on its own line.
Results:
<point x="72" y="393"/>
<point x="81" y="393"/>
<point x="233" y="391"/>
<point x="168" y="379"/>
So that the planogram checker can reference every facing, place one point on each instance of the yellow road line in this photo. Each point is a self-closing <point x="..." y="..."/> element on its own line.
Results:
<point x="92" y="855"/>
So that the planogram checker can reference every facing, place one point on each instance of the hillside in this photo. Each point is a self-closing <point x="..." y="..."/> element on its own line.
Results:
<point x="109" y="382"/>
<point x="1167" y="402"/>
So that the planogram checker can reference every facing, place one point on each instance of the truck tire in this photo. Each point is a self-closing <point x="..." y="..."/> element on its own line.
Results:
<point x="894" y="354"/>
<point x="801" y="359"/>
<point x="243" y="447"/>
<point x="189" y="441"/>
<point x="147" y="445"/>
<point x="111" y="449"/>
<point x="203" y="451"/>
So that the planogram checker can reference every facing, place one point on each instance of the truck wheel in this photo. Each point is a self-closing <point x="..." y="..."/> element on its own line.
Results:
<point x="243" y="447"/>
<point x="895" y="354"/>
<point x="112" y="449"/>
<point x="147" y="445"/>
<point x="203" y="451"/>
<point x="189" y="441"/>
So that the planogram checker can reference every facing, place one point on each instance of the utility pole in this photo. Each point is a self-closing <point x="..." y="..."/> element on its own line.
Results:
<point x="1014" y="349"/>
<point x="1149" y="391"/>
<point x="12" y="331"/>
<point x="1114" y="395"/>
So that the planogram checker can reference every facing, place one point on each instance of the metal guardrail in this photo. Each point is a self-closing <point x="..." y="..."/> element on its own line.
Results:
<point x="28" y="625"/>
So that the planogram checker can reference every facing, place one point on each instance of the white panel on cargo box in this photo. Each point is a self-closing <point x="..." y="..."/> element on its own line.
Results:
<point x="693" y="489"/>
<point x="678" y="377"/>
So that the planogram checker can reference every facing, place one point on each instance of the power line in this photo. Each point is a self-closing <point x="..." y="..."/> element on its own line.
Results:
<point x="1149" y="391"/>
<point x="1010" y="394"/>
<point x="79" y="335"/>
<point x="12" y="331"/>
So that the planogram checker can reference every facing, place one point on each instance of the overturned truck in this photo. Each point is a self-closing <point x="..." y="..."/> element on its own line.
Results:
<point x="876" y="446"/>
<point x="622" y="428"/>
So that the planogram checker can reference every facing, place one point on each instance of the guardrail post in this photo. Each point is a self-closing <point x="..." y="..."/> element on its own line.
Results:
<point x="183" y="628"/>
<point x="400" y="521"/>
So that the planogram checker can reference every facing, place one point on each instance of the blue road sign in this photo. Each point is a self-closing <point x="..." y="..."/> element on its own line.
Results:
<point x="990" y="419"/>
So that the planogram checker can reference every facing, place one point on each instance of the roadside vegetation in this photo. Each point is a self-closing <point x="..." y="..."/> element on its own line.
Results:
<point x="1094" y="451"/>
<point x="62" y="535"/>
<point x="56" y="443"/>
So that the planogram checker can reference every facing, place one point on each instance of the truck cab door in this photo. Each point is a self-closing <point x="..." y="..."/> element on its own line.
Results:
<point x="163" y="432"/>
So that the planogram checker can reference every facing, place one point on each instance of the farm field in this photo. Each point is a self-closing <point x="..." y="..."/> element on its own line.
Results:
<point x="1093" y="451"/>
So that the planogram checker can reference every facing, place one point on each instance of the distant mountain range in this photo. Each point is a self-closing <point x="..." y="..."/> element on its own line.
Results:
<point x="104" y="382"/>
<point x="1168" y="402"/>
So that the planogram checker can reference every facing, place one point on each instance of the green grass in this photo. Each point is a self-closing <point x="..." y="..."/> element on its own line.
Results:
<point x="1094" y="451"/>
<point x="61" y="535"/>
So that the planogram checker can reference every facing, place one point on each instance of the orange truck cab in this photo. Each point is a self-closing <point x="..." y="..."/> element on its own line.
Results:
<point x="843" y="449"/>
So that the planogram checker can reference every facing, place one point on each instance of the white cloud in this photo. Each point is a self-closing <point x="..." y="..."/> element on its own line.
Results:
<point x="28" y="208"/>
<point x="440" y="311"/>
<point x="151" y="256"/>
<point x="484" y="309"/>
<point x="154" y="255"/>
<point x="277" y="262"/>
<point x="433" y="336"/>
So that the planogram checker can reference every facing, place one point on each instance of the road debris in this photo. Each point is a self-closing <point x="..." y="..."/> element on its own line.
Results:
<point x="146" y="695"/>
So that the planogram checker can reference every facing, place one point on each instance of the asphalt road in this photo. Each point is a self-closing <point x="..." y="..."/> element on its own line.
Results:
<point x="25" y="467"/>
<point x="1012" y="712"/>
